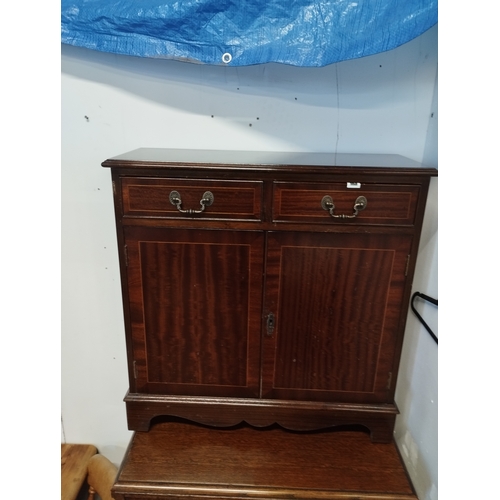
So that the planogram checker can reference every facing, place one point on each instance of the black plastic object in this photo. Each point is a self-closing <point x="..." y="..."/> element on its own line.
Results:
<point x="428" y="299"/>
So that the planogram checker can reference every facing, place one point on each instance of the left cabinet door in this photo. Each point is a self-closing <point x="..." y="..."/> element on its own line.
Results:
<point x="195" y="300"/>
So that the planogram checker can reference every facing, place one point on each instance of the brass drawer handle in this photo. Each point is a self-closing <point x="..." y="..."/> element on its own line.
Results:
<point x="359" y="204"/>
<point x="206" y="200"/>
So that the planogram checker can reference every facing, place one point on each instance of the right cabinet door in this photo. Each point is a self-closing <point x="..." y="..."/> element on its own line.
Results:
<point x="336" y="305"/>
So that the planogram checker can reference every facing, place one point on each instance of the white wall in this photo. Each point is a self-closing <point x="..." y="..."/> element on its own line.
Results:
<point x="416" y="429"/>
<point x="112" y="104"/>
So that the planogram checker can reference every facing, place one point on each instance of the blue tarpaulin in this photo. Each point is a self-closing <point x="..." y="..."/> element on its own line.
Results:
<point x="241" y="33"/>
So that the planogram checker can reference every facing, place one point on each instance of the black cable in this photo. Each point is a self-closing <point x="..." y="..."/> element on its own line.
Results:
<point x="432" y="301"/>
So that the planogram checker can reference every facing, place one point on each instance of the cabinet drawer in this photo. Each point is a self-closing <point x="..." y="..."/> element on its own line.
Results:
<point x="385" y="204"/>
<point x="151" y="197"/>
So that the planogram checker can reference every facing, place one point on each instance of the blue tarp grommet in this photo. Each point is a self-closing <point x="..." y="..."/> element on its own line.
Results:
<point x="300" y="33"/>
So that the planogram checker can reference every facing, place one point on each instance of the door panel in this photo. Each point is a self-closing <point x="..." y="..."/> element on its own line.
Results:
<point x="196" y="301"/>
<point x="336" y="298"/>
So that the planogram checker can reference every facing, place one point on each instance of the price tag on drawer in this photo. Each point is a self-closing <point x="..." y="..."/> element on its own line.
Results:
<point x="354" y="185"/>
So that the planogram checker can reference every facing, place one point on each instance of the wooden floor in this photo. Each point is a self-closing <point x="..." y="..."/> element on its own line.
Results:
<point x="178" y="460"/>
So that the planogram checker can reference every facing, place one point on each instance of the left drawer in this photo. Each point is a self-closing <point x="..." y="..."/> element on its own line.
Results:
<point x="178" y="198"/>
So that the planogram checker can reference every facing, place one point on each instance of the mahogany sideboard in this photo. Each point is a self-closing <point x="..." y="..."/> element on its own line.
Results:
<point x="266" y="287"/>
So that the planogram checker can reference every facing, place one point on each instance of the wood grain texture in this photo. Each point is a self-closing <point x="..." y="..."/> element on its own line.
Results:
<point x="386" y="204"/>
<point x="143" y="409"/>
<point x="337" y="300"/>
<point x="198" y="288"/>
<point x="196" y="301"/>
<point x="195" y="344"/>
<point x="177" y="460"/>
<point x="74" y="464"/>
<point x="232" y="200"/>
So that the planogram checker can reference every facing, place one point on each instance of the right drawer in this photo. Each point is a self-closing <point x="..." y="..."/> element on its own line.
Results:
<point x="311" y="202"/>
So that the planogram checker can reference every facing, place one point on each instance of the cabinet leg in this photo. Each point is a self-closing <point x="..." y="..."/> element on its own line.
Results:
<point x="138" y="422"/>
<point x="383" y="433"/>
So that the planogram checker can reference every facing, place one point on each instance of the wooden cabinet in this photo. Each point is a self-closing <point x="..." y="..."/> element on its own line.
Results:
<point x="266" y="287"/>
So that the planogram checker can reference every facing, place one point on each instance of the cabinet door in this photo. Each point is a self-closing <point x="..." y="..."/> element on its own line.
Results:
<point x="195" y="299"/>
<point x="336" y="301"/>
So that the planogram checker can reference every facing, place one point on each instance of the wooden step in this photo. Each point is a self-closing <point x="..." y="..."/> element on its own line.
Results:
<point x="180" y="460"/>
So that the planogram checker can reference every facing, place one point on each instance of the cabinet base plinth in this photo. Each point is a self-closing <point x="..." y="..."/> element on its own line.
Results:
<point x="379" y="419"/>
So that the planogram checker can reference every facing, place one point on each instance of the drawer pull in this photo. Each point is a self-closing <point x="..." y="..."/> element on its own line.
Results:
<point x="206" y="201"/>
<point x="359" y="204"/>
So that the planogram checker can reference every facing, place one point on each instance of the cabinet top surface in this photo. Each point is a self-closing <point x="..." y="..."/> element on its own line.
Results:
<point x="157" y="158"/>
